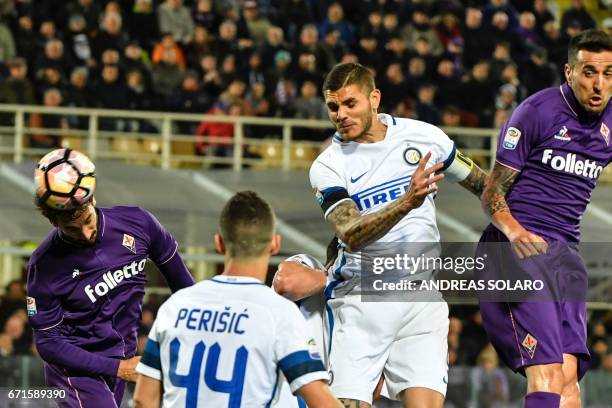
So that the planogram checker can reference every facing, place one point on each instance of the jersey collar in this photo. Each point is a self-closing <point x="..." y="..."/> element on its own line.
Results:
<point x="237" y="280"/>
<point x="575" y="107"/>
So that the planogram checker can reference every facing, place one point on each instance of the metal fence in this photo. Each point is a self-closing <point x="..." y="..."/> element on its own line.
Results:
<point x="158" y="138"/>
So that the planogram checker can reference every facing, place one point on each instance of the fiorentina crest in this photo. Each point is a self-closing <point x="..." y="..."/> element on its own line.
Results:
<point x="530" y="343"/>
<point x="129" y="242"/>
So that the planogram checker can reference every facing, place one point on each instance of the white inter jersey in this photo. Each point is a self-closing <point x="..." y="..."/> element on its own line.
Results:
<point x="375" y="174"/>
<point x="224" y="342"/>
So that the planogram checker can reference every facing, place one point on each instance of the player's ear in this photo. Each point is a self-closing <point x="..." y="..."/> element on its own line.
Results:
<point x="568" y="73"/>
<point x="93" y="201"/>
<point x="375" y="99"/>
<point x="275" y="244"/>
<point x="219" y="244"/>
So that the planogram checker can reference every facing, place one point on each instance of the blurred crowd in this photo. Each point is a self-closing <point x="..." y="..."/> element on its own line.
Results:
<point x="476" y="371"/>
<point x="448" y="62"/>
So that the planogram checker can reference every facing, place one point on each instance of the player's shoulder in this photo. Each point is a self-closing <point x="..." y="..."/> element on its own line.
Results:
<point x="124" y="211"/>
<point x="419" y="133"/>
<point x="548" y="98"/>
<point x="45" y="248"/>
<point x="332" y="154"/>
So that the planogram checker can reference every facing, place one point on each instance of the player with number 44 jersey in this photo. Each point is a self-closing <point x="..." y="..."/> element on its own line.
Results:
<point x="224" y="342"/>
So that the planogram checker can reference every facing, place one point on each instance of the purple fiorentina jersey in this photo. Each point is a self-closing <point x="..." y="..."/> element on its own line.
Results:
<point x="94" y="293"/>
<point x="560" y="153"/>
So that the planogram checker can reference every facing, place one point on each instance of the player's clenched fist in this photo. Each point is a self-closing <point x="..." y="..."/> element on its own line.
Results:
<point x="127" y="369"/>
<point x="296" y="281"/>
<point x="423" y="182"/>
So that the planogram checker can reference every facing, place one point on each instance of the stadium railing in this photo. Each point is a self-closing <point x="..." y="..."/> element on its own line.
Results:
<point x="160" y="138"/>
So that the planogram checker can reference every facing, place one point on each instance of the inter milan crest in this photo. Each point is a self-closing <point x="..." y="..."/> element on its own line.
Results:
<point x="605" y="132"/>
<point x="412" y="156"/>
<point x="530" y="343"/>
<point x="129" y="242"/>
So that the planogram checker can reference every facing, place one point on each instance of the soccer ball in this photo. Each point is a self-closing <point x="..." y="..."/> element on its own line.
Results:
<point x="64" y="179"/>
<point x="307" y="260"/>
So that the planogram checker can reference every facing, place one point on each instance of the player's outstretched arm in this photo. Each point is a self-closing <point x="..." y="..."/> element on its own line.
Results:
<point x="475" y="181"/>
<point x="357" y="231"/>
<point x="295" y="281"/>
<point x="148" y="392"/>
<point x="317" y="394"/>
<point x="464" y="171"/>
<point x="494" y="203"/>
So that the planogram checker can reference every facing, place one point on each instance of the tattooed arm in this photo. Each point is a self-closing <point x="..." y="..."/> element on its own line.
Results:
<point x="494" y="204"/>
<point x="357" y="231"/>
<point x="475" y="181"/>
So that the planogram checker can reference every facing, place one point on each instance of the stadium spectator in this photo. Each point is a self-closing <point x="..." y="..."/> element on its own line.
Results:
<point x="309" y="42"/>
<point x="501" y="6"/>
<point x="167" y="74"/>
<point x="306" y="70"/>
<point x="256" y="101"/>
<point x="201" y="45"/>
<point x="274" y="43"/>
<point x="17" y="88"/>
<point x="481" y="89"/>
<point x="54" y="57"/>
<point x="26" y="41"/>
<point x="139" y="94"/>
<point x="142" y="24"/>
<point x="542" y="15"/>
<point x="78" y="45"/>
<point x="168" y="43"/>
<point x="90" y="10"/>
<point x="135" y="58"/>
<point x="396" y="50"/>
<point x="426" y="111"/>
<point x="222" y="132"/>
<point x="50" y="77"/>
<point x="175" y="18"/>
<point x="369" y="54"/>
<point x="255" y="24"/>
<point x="226" y="41"/>
<point x="7" y="43"/>
<point x="189" y="98"/>
<point x="41" y="139"/>
<point x="12" y="300"/>
<point x="309" y="105"/>
<point x="110" y="36"/>
<point x="204" y="15"/>
<point x="448" y="81"/>
<point x="111" y="92"/>
<point x="490" y="381"/>
<point x="420" y="27"/>
<point x="577" y="16"/>
<point x="254" y="72"/>
<point x="606" y="25"/>
<point x="335" y="45"/>
<point x="393" y="85"/>
<point x="211" y="80"/>
<point x="79" y="94"/>
<point x="538" y="73"/>
<point x="500" y="58"/>
<point x="373" y="26"/>
<point x="528" y="32"/>
<point x="335" y="20"/>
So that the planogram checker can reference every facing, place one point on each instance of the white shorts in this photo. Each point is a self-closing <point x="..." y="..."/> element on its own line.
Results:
<point x="405" y="340"/>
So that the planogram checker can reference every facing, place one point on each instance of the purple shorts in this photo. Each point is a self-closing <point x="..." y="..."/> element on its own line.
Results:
<point x="540" y="327"/>
<point x="85" y="391"/>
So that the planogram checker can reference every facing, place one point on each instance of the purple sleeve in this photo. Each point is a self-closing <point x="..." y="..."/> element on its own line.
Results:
<point x="54" y="349"/>
<point x="518" y="136"/>
<point x="176" y="273"/>
<point x="162" y="245"/>
<point x="163" y="251"/>
<point x="44" y="309"/>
